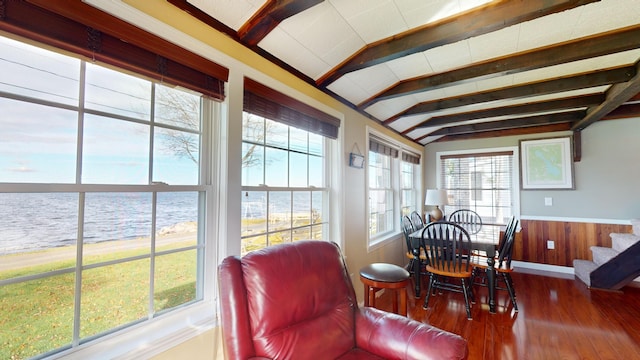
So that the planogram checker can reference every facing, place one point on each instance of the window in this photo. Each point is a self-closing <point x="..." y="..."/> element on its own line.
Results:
<point x="393" y="186"/>
<point x="285" y="182"/>
<point x="102" y="198"/>
<point x="484" y="181"/>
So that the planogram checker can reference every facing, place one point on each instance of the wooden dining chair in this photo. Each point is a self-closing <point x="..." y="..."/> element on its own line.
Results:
<point x="416" y="220"/>
<point x="448" y="246"/>
<point x="468" y="219"/>
<point x="503" y="266"/>
<point x="417" y="257"/>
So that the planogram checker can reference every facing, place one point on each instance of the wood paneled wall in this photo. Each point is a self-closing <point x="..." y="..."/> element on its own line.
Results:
<point x="572" y="240"/>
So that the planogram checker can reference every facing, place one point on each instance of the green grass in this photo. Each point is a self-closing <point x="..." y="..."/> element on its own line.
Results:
<point x="37" y="315"/>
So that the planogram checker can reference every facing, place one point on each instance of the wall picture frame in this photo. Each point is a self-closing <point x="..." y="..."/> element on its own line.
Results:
<point x="547" y="164"/>
<point x="356" y="160"/>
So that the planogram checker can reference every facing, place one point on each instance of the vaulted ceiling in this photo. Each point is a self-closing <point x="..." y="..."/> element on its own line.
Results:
<point x="438" y="70"/>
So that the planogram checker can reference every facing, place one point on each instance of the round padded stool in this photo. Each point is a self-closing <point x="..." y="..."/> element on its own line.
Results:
<point x="379" y="276"/>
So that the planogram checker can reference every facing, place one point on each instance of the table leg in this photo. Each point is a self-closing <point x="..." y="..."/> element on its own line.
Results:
<point x="416" y="274"/>
<point x="491" y="284"/>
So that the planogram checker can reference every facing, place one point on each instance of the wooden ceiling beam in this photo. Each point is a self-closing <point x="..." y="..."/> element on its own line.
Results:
<point x="617" y="95"/>
<point x="565" y="83"/>
<point x="579" y="49"/>
<point x="478" y="21"/>
<point x="272" y="13"/>
<point x="520" y="109"/>
<point x="536" y="120"/>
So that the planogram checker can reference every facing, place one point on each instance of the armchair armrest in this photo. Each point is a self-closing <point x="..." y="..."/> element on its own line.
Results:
<point x="396" y="337"/>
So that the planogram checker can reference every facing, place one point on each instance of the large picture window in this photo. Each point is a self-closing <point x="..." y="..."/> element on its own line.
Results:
<point x="102" y="198"/>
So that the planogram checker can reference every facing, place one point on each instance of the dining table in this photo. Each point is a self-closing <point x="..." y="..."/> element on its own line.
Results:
<point x="480" y="243"/>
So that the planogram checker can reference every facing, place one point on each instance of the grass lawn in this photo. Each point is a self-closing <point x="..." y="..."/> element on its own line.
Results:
<point x="37" y="315"/>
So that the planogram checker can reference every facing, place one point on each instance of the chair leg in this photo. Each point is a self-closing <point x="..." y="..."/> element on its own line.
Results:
<point x="509" y="282"/>
<point x="465" y="291"/>
<point x="432" y="279"/>
<point x="416" y="275"/>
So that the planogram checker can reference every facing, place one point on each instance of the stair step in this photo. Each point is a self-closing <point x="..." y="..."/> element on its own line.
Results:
<point x="620" y="241"/>
<point x="603" y="254"/>
<point x="635" y="223"/>
<point x="583" y="269"/>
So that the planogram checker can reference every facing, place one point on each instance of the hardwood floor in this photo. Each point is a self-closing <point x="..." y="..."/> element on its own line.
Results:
<point x="558" y="318"/>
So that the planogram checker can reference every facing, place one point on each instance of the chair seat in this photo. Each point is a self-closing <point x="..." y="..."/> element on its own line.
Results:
<point x="456" y="274"/>
<point x="481" y="262"/>
<point x="385" y="276"/>
<point x="422" y="256"/>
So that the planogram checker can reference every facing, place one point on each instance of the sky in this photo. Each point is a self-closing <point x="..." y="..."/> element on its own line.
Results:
<point x="38" y="143"/>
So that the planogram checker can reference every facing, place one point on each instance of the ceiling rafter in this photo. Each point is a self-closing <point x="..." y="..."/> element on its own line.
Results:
<point x="269" y="16"/>
<point x="478" y="21"/>
<point x="561" y="84"/>
<point x="617" y="95"/>
<point x="575" y="102"/>
<point x="527" y="121"/>
<point x="589" y="46"/>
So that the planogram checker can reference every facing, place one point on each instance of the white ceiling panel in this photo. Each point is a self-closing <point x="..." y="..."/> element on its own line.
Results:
<point x="318" y="40"/>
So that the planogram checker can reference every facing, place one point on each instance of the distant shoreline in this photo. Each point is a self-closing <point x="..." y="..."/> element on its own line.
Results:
<point x="18" y="261"/>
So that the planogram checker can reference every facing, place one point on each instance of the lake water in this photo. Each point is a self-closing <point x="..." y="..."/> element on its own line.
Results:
<point x="33" y="221"/>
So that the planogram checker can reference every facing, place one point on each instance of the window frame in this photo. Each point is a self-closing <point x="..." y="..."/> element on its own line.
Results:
<point x="378" y="240"/>
<point x="176" y="322"/>
<point x="515" y="179"/>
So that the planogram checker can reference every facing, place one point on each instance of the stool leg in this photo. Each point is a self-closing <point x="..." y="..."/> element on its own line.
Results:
<point x="366" y="295"/>
<point x="403" y="301"/>
<point x="372" y="296"/>
<point x="395" y="301"/>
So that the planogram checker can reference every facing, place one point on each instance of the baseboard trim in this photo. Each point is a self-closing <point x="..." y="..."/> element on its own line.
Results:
<point x="566" y="272"/>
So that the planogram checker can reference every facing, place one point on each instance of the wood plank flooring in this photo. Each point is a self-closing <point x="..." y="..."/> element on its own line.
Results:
<point x="558" y="318"/>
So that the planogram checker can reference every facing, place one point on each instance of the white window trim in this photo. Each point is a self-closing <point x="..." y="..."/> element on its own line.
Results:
<point x="383" y="239"/>
<point x="515" y="176"/>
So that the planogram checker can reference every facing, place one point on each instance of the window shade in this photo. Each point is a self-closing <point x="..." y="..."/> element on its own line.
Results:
<point x="481" y="182"/>
<point x="411" y="158"/>
<point x="82" y="29"/>
<point x="378" y="146"/>
<point x="266" y="102"/>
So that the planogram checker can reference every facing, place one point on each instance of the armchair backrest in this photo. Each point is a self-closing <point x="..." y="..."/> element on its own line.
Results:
<point x="287" y="299"/>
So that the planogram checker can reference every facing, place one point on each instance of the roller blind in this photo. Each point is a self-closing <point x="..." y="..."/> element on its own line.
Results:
<point x="84" y="30"/>
<point x="266" y="102"/>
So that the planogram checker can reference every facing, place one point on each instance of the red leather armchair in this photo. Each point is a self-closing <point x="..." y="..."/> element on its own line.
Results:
<point x="296" y="301"/>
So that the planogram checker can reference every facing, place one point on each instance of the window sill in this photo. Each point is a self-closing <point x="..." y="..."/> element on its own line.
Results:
<point x="148" y="339"/>
<point x="379" y="242"/>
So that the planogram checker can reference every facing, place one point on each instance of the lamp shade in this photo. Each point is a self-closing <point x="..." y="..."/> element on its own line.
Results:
<point x="436" y="197"/>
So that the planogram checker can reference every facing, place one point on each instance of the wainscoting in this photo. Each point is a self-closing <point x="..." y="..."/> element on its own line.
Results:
<point x="572" y="240"/>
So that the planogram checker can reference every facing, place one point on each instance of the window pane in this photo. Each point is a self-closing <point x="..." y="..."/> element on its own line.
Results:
<point x="254" y="214"/>
<point x="279" y="210"/>
<point x="38" y="73"/>
<point x="298" y="140"/>
<point x="175" y="279"/>
<point x="317" y="207"/>
<point x="115" y="92"/>
<point x="113" y="296"/>
<point x="301" y="208"/>
<point x="176" y="220"/>
<point x="302" y="234"/>
<point x="253" y="128"/>
<point x="39" y="221"/>
<point x="316" y="173"/>
<point x="177" y="107"/>
<point x="176" y="157"/>
<point x="252" y="164"/>
<point x="298" y="169"/>
<point x="36" y="316"/>
<point x="280" y="237"/>
<point x="115" y="152"/>
<point x="276" y="134"/>
<point x="34" y="150"/>
<point x="253" y="243"/>
<point x="116" y="226"/>
<point x="316" y="144"/>
<point x="276" y="173"/>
